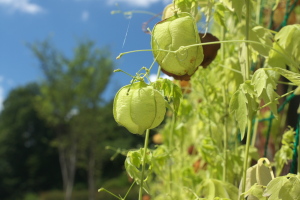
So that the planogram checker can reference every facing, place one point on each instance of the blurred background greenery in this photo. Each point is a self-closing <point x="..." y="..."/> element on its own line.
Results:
<point x="54" y="133"/>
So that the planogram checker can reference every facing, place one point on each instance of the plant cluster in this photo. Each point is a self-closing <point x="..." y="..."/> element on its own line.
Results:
<point x="230" y="100"/>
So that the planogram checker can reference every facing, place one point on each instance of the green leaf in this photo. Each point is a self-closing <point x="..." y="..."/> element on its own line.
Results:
<point x="219" y="14"/>
<point x="288" y="38"/>
<point x="133" y="165"/>
<point x="263" y="36"/>
<point x="291" y="189"/>
<point x="186" y="6"/>
<point x="283" y="188"/>
<point x="170" y="90"/>
<point x="285" y="153"/>
<point x="288" y="44"/>
<point x="273" y="188"/>
<point x="243" y="104"/>
<point x="238" y="105"/>
<point x="255" y="191"/>
<point x="291" y="76"/>
<point x="259" y="80"/>
<point x="212" y="188"/>
<point x="265" y="86"/>
<point x="277" y="58"/>
<point x="235" y="5"/>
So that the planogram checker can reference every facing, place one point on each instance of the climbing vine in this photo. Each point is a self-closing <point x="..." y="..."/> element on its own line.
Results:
<point x="220" y="118"/>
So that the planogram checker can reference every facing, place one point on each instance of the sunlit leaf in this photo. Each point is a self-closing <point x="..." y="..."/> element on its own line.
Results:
<point x="291" y="76"/>
<point x="133" y="165"/>
<point x="285" y="153"/>
<point x="235" y="5"/>
<point x="263" y="36"/>
<point x="283" y="188"/>
<point x="265" y="86"/>
<point x="256" y="190"/>
<point x="243" y="104"/>
<point x="170" y="90"/>
<point x="219" y="14"/>
<point x="211" y="188"/>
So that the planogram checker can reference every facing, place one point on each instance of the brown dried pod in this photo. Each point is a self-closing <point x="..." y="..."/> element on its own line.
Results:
<point x="210" y="51"/>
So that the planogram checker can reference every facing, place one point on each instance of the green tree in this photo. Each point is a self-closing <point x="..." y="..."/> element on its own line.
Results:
<point x="72" y="88"/>
<point x="25" y="153"/>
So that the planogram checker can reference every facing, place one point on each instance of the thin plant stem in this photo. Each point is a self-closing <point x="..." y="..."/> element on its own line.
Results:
<point x="225" y="136"/>
<point x="112" y="194"/>
<point x="268" y="135"/>
<point x="258" y="12"/>
<point x="158" y="72"/>
<point x="143" y="164"/>
<point x="247" y="157"/>
<point x="171" y="147"/>
<point x="255" y="127"/>
<point x="129" y="189"/>
<point x="225" y="110"/>
<point x="267" y="104"/>
<point x="284" y="54"/>
<point x="284" y="113"/>
<point x="247" y="66"/>
<point x="247" y="77"/>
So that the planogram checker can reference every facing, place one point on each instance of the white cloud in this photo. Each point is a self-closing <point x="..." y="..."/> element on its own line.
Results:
<point x="24" y="6"/>
<point x="153" y="77"/>
<point x="139" y="3"/>
<point x="85" y="16"/>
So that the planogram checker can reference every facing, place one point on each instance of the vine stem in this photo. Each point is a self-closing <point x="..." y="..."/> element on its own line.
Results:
<point x="247" y="67"/>
<point x="225" y="136"/>
<point x="143" y="164"/>
<point x="267" y="104"/>
<point x="283" y="53"/>
<point x="255" y="127"/>
<point x="225" y="109"/>
<point x="247" y="77"/>
<point x="245" y="166"/>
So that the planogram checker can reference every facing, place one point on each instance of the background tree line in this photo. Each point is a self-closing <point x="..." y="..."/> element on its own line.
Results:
<point x="53" y="133"/>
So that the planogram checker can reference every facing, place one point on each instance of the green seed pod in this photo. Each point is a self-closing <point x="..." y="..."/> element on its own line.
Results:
<point x="140" y="108"/>
<point x="172" y="34"/>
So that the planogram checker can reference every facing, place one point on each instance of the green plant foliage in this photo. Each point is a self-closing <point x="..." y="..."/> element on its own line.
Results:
<point x="169" y="40"/>
<point x="235" y="6"/>
<point x="264" y="86"/>
<point x="212" y="188"/>
<point x="286" y="48"/>
<point x="134" y="162"/>
<point x="187" y="6"/>
<point x="219" y="14"/>
<point x="170" y="90"/>
<point x="285" y="153"/>
<point x="264" y="37"/>
<point x="255" y="192"/>
<point x="242" y="104"/>
<point x="284" y="188"/>
<point x="291" y="76"/>
<point x="214" y="130"/>
<point x="288" y="39"/>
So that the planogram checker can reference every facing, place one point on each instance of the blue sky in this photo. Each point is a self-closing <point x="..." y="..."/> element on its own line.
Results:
<point x="66" y="22"/>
